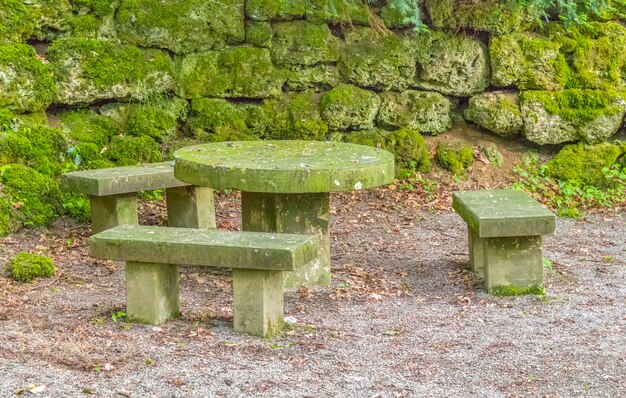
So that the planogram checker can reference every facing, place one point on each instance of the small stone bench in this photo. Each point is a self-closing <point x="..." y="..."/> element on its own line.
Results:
<point x="113" y="195"/>
<point x="505" y="231"/>
<point x="258" y="260"/>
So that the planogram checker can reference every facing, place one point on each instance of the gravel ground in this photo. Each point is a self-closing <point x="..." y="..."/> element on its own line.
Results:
<point x="402" y="318"/>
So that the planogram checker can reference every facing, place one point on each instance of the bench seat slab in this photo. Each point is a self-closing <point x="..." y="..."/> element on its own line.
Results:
<point x="513" y="265"/>
<point x="119" y="180"/>
<point x="167" y="245"/>
<point x="258" y="302"/>
<point x="151" y="292"/>
<point x="305" y="213"/>
<point x="504" y="212"/>
<point x="110" y="211"/>
<point x="190" y="207"/>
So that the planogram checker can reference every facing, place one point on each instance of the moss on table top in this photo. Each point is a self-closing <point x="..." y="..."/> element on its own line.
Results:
<point x="284" y="166"/>
<point x="504" y="212"/>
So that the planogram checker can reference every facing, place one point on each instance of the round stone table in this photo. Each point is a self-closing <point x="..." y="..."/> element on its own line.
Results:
<point x="285" y="185"/>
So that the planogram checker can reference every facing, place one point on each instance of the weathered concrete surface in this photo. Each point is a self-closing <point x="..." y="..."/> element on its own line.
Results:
<point x="505" y="212"/>
<point x="258" y="307"/>
<point x="293" y="214"/>
<point x="476" y="258"/>
<point x="204" y="247"/>
<point x="284" y="166"/>
<point x="119" y="180"/>
<point x="190" y="207"/>
<point x="513" y="265"/>
<point x="113" y="210"/>
<point x="152" y="292"/>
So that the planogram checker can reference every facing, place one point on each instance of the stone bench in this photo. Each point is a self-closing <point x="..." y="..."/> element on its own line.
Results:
<point x="505" y="231"/>
<point x="258" y="260"/>
<point x="113" y="195"/>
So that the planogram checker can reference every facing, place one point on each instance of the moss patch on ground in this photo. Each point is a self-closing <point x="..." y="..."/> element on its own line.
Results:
<point x="455" y="157"/>
<point x="25" y="267"/>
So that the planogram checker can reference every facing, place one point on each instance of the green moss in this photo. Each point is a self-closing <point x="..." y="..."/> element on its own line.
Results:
<point x="508" y="290"/>
<point x="127" y="151"/>
<point x="410" y="150"/>
<point x="213" y="119"/>
<point x="242" y="72"/>
<point x="26" y="83"/>
<point x="375" y="138"/>
<point x="455" y="157"/>
<point x="578" y="105"/>
<point x="87" y="70"/>
<point x="326" y="11"/>
<point x="582" y="164"/>
<point x="487" y="16"/>
<point x="31" y="197"/>
<point x="376" y="60"/>
<point x="37" y="146"/>
<point x="493" y="155"/>
<point x="303" y="43"/>
<point x="259" y="34"/>
<point x="17" y="22"/>
<point x="76" y="205"/>
<point x="418" y="110"/>
<point x="151" y="121"/>
<point x="25" y="267"/>
<point x="349" y="107"/>
<point x="51" y="17"/>
<point x="88" y="126"/>
<point x="181" y="26"/>
<point x="316" y="78"/>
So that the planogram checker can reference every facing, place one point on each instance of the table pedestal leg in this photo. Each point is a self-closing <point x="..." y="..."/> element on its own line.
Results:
<point x="113" y="210"/>
<point x="294" y="214"/>
<point x="513" y="265"/>
<point x="190" y="207"/>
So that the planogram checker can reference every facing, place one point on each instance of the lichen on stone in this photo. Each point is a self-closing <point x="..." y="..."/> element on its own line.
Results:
<point x="259" y="34"/>
<point x="17" y="22"/>
<point x="455" y="157"/>
<point x="303" y="43"/>
<point x="215" y="119"/>
<point x="88" y="70"/>
<point x="418" y="110"/>
<point x="571" y="115"/>
<point x="349" y="107"/>
<point x="326" y="11"/>
<point x="490" y="16"/>
<point x="317" y="78"/>
<point x="376" y="60"/>
<point x="455" y="65"/>
<point x="242" y="72"/>
<point x="26" y="83"/>
<point x="498" y="112"/>
<point x="181" y="26"/>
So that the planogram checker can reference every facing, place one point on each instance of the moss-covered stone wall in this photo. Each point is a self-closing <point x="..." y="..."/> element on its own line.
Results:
<point x="127" y="81"/>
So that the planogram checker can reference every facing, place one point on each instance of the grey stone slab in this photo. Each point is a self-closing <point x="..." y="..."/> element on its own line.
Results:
<point x="113" y="210"/>
<point x="284" y="166"/>
<point x="119" y="180"/>
<point x="501" y="213"/>
<point x="204" y="247"/>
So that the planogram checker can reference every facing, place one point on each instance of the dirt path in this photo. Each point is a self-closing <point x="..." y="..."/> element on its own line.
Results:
<point x="403" y="318"/>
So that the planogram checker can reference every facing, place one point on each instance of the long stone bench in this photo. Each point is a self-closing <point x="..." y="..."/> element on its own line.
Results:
<point x="113" y="195"/>
<point x="258" y="260"/>
<point x="505" y="232"/>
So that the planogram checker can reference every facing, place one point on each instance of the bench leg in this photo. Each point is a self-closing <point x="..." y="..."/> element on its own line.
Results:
<point x="113" y="210"/>
<point x="513" y="266"/>
<point x="190" y="207"/>
<point x="151" y="292"/>
<point x="293" y="214"/>
<point x="258" y="301"/>
<point x="475" y="251"/>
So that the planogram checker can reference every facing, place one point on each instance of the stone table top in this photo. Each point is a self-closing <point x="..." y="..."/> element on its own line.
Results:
<point x="284" y="166"/>
<point x="503" y="212"/>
